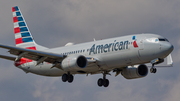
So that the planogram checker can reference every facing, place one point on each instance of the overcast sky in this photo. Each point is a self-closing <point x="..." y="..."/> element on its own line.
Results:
<point x="54" y="23"/>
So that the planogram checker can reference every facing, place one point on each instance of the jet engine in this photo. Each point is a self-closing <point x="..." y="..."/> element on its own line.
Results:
<point x="75" y="62"/>
<point x="134" y="72"/>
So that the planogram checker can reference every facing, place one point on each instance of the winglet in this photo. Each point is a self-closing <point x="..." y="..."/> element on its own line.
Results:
<point x="169" y="60"/>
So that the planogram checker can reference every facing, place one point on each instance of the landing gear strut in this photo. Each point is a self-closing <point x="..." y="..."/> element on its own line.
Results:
<point x="153" y="69"/>
<point x="103" y="81"/>
<point x="155" y="62"/>
<point x="67" y="77"/>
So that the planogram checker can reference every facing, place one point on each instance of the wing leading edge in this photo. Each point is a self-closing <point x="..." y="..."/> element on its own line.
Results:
<point x="7" y="57"/>
<point x="38" y="56"/>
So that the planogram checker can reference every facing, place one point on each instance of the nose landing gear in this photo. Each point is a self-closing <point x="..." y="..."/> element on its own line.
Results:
<point x="153" y="69"/>
<point x="155" y="62"/>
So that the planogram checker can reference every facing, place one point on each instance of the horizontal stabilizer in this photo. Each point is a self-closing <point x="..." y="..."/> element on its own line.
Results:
<point x="7" y="57"/>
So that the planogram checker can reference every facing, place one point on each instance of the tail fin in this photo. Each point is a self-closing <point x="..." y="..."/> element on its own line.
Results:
<point x="23" y="37"/>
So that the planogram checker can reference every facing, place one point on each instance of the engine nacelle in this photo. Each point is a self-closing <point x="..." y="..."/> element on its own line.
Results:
<point x="75" y="62"/>
<point x="134" y="72"/>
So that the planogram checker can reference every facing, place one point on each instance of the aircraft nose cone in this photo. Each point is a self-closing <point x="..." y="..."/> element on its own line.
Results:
<point x="171" y="48"/>
<point x="168" y="47"/>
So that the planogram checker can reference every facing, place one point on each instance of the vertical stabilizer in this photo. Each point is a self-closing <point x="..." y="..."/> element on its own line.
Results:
<point x="23" y="37"/>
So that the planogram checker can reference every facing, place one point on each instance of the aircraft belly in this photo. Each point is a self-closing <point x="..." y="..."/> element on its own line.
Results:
<point x="42" y="69"/>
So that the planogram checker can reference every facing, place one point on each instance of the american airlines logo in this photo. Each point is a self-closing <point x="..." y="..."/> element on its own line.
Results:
<point x="96" y="49"/>
<point x="134" y="43"/>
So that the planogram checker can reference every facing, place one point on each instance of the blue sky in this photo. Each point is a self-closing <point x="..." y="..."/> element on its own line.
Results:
<point x="54" y="23"/>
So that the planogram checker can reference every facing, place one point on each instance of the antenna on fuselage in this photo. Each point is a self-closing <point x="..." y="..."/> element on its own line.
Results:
<point x="94" y="39"/>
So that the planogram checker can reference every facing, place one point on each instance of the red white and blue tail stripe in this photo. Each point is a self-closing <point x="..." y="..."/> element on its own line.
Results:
<point x="23" y="37"/>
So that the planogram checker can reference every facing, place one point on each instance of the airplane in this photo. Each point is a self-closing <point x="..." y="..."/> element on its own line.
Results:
<point x="125" y="55"/>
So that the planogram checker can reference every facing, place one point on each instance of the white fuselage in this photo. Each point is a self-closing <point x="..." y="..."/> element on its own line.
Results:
<point x="110" y="53"/>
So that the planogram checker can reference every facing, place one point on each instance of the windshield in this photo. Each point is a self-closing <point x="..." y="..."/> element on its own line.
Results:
<point x="155" y="40"/>
<point x="163" y="39"/>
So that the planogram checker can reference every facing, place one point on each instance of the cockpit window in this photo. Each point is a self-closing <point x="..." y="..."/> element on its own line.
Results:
<point x="155" y="40"/>
<point x="161" y="39"/>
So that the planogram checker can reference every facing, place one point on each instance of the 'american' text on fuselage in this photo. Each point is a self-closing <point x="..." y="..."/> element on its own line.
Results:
<point x="96" y="49"/>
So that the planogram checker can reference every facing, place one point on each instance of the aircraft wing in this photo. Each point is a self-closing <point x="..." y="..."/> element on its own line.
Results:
<point x="38" y="56"/>
<point x="8" y="57"/>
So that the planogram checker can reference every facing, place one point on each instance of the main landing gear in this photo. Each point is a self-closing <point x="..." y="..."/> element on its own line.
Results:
<point x="67" y="77"/>
<point x="103" y="81"/>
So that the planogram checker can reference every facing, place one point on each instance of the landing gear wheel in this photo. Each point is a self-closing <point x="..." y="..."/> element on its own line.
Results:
<point x="106" y="82"/>
<point x="103" y="82"/>
<point x="64" y="77"/>
<point x="100" y="82"/>
<point x="153" y="70"/>
<point x="70" y="78"/>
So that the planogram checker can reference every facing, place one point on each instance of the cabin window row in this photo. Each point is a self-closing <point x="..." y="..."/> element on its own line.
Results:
<point x="74" y="52"/>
